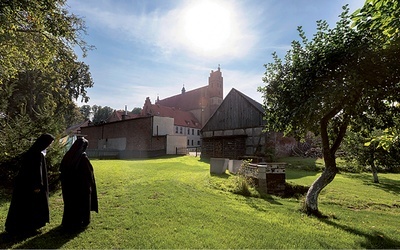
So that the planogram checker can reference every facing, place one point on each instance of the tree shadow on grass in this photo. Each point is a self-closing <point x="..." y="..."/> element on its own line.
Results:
<point x="386" y="184"/>
<point x="374" y="240"/>
<point x="53" y="239"/>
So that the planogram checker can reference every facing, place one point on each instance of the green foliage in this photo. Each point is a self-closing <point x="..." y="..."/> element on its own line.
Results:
<point x="18" y="134"/>
<point x="365" y="153"/>
<point x="243" y="184"/>
<point x="137" y="111"/>
<point x="379" y="16"/>
<point x="86" y="111"/>
<point x="382" y="18"/>
<point x="343" y="76"/>
<point x="74" y="116"/>
<point x="337" y="76"/>
<point x="101" y="114"/>
<point x="40" y="75"/>
<point x="387" y="140"/>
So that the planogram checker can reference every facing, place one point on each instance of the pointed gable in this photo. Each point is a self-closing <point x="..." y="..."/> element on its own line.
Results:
<point x="236" y="111"/>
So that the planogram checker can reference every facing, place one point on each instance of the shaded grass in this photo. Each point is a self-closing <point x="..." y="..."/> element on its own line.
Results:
<point x="176" y="203"/>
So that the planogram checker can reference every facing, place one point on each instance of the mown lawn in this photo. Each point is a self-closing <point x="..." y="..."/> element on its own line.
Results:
<point x="176" y="203"/>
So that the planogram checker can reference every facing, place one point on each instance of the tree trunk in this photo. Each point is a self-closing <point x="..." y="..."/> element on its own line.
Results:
<point x="330" y="171"/>
<point x="327" y="176"/>
<point x="374" y="172"/>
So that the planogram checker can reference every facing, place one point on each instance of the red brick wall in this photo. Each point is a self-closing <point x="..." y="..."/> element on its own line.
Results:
<point x="138" y="134"/>
<point x="92" y="134"/>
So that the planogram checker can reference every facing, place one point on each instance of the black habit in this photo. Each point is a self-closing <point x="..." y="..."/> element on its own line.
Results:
<point x="78" y="186"/>
<point x="29" y="208"/>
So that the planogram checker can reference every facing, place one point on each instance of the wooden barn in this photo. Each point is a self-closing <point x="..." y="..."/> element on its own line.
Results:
<point x="235" y="131"/>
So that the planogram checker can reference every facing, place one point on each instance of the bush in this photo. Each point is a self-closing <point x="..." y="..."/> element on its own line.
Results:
<point x="243" y="184"/>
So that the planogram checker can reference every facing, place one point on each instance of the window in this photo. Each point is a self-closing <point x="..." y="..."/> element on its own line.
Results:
<point x="176" y="129"/>
<point x="188" y="131"/>
<point x="198" y="132"/>
<point x="180" y="130"/>
<point x="192" y="131"/>
<point x="192" y="142"/>
<point x="198" y="143"/>
<point x="188" y="142"/>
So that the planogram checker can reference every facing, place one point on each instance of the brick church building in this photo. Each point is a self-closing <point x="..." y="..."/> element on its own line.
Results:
<point x="201" y="102"/>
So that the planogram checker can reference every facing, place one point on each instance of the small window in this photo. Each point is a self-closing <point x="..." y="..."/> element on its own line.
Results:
<point x="192" y="131"/>
<point x="176" y="129"/>
<point x="192" y="142"/>
<point x="188" y="142"/>
<point x="198" y="132"/>
<point x="198" y="143"/>
<point x="180" y="130"/>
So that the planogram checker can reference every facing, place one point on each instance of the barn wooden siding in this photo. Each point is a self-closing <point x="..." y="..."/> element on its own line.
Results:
<point x="236" y="130"/>
<point x="224" y="147"/>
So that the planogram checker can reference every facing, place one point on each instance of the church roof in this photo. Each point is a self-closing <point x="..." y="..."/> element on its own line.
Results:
<point x="181" y="117"/>
<point x="189" y="100"/>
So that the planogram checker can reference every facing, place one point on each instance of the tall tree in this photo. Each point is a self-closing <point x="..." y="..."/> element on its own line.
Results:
<point x="341" y="77"/>
<point x="101" y="114"/>
<point x="137" y="111"/>
<point x="39" y="71"/>
<point x="86" y="111"/>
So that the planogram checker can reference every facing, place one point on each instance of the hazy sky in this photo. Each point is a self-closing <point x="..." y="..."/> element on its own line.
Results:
<point x="150" y="48"/>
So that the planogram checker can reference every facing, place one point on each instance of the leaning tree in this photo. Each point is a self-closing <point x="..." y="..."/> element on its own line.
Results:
<point x="343" y="76"/>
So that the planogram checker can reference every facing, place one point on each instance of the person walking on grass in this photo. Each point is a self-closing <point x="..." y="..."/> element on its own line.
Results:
<point x="78" y="186"/>
<point x="29" y="207"/>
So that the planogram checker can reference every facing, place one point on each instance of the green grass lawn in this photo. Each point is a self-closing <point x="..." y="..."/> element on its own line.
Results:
<point x="176" y="203"/>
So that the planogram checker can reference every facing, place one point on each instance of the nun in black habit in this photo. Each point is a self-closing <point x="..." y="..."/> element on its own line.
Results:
<point x="29" y="208"/>
<point x="78" y="186"/>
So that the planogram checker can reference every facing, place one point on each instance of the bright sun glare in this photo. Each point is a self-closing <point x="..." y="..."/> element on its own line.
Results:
<point x="207" y="25"/>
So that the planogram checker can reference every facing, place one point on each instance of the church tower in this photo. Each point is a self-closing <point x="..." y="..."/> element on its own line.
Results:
<point x="215" y="90"/>
<point x="201" y="102"/>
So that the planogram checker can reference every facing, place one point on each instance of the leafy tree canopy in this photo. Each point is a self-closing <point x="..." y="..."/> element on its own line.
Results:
<point x="342" y="76"/>
<point x="382" y="18"/>
<point x="137" y="111"/>
<point x="39" y="71"/>
<point x="379" y="16"/>
<point x="101" y="114"/>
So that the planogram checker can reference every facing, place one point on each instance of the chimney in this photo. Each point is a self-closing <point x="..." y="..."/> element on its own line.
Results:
<point x="125" y="113"/>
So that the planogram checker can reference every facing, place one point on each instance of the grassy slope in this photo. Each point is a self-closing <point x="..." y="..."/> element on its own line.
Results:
<point x="175" y="203"/>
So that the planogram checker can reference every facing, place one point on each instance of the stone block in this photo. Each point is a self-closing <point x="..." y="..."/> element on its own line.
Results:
<point x="239" y="132"/>
<point x="234" y="166"/>
<point x="228" y="132"/>
<point x="218" y="165"/>
<point x="218" y="133"/>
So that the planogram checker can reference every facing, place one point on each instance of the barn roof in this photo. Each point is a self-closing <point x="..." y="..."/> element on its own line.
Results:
<point x="236" y="111"/>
